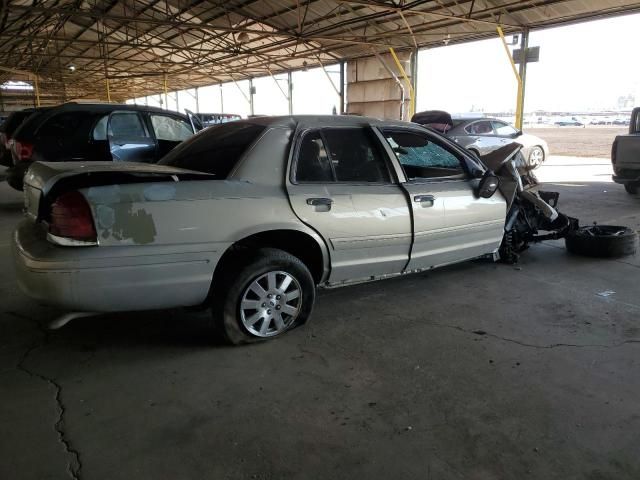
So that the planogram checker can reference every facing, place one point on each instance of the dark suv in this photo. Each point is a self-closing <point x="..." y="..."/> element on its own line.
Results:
<point x="97" y="132"/>
<point x="7" y="129"/>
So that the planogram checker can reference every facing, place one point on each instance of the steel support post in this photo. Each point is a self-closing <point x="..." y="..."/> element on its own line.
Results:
<point x="166" y="93"/>
<point x="342" y="99"/>
<point x="516" y="74"/>
<point x="290" y="91"/>
<point x="522" y="71"/>
<point x="414" y="79"/>
<point x="37" y="90"/>
<point x="251" y="110"/>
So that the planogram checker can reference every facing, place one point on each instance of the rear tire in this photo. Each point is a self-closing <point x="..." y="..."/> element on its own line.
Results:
<point x="632" y="188"/>
<point x="262" y="297"/>
<point x="604" y="241"/>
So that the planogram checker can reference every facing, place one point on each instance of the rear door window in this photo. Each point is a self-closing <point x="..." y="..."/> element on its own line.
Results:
<point x="349" y="155"/>
<point x="216" y="150"/>
<point x="313" y="161"/>
<point x="482" y="127"/>
<point x="170" y="128"/>
<point x="127" y="124"/>
<point x="356" y="156"/>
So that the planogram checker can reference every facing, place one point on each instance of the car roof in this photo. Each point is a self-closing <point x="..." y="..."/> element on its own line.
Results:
<point x="28" y="128"/>
<point x="109" y="107"/>
<point x="474" y="119"/>
<point x="321" y="121"/>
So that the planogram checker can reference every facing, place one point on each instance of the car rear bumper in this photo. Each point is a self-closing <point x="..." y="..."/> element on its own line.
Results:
<point x="627" y="176"/>
<point x="110" y="279"/>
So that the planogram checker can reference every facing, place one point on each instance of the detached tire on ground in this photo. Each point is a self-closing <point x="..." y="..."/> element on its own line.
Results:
<point x="606" y="241"/>
<point x="263" y="296"/>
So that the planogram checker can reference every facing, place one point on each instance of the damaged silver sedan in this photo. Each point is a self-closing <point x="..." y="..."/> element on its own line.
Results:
<point x="249" y="217"/>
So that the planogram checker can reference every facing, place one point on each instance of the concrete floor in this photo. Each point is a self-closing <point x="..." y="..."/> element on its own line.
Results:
<point x="477" y="371"/>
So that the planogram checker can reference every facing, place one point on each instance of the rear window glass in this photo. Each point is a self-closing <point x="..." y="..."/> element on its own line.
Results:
<point x="215" y="150"/>
<point x="65" y="124"/>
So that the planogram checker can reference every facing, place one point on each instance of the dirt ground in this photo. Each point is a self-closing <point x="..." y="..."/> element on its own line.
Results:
<point x="593" y="141"/>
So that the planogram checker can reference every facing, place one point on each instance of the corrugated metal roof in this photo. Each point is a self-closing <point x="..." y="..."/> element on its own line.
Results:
<point x="135" y="43"/>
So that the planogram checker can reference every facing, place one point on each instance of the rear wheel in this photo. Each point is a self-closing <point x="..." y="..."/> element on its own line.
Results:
<point x="602" y="241"/>
<point x="632" y="188"/>
<point x="263" y="296"/>
<point x="536" y="157"/>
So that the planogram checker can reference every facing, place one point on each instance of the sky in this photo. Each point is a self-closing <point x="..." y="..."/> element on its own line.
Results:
<point x="583" y="67"/>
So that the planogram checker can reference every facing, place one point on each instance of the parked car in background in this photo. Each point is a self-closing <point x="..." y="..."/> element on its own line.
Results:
<point x="485" y="135"/>
<point x="568" y="122"/>
<point x="625" y="156"/>
<point x="621" y="122"/>
<point x="208" y="119"/>
<point x="249" y="217"/>
<point x="8" y="128"/>
<point x="97" y="132"/>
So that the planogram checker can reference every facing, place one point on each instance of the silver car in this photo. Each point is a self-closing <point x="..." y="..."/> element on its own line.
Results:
<point x="484" y="135"/>
<point x="248" y="217"/>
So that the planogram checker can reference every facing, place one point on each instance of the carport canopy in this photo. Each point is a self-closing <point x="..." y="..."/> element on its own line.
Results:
<point x="75" y="48"/>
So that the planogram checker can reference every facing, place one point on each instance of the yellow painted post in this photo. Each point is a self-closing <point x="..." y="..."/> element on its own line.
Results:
<point x="166" y="93"/>
<point x="518" y="79"/>
<point x="412" y="95"/>
<point x="37" y="89"/>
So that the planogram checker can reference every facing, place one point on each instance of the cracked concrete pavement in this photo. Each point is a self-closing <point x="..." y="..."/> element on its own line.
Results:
<point x="476" y="371"/>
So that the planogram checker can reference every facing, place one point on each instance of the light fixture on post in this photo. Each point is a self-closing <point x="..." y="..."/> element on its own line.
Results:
<point x="243" y="37"/>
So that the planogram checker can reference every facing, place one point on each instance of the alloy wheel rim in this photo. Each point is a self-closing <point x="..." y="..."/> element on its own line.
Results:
<point x="270" y="303"/>
<point x="535" y="158"/>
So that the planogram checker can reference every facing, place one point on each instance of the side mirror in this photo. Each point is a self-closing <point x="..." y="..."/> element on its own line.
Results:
<point x="517" y="134"/>
<point x="488" y="185"/>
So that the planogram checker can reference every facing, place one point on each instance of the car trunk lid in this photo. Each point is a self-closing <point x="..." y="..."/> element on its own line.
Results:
<point x="44" y="178"/>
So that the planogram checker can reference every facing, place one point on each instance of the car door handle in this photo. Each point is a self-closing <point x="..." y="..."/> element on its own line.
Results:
<point x="320" y="204"/>
<point x="425" y="200"/>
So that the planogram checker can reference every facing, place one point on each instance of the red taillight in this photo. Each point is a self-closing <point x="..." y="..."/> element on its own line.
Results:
<point x="71" y="218"/>
<point x="22" y="151"/>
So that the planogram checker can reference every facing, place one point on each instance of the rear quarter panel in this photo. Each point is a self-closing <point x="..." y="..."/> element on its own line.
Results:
<point x="189" y="212"/>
